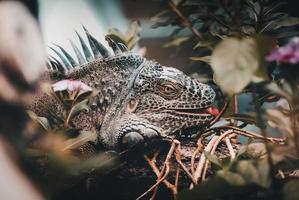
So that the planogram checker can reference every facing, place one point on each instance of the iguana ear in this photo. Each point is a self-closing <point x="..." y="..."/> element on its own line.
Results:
<point x="122" y="57"/>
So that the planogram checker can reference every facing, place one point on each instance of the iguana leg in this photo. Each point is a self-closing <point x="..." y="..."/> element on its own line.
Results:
<point x="135" y="132"/>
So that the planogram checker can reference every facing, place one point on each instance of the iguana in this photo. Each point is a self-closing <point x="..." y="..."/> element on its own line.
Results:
<point x="137" y="99"/>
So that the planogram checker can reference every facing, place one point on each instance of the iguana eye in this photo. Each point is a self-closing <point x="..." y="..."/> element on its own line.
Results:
<point x="168" y="89"/>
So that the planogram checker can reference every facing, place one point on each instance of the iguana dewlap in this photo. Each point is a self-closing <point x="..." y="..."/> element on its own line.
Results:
<point x="137" y="99"/>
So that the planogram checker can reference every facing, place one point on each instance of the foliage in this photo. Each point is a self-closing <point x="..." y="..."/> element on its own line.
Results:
<point x="244" y="43"/>
<point x="239" y="176"/>
<point x="129" y="38"/>
<point x="73" y="97"/>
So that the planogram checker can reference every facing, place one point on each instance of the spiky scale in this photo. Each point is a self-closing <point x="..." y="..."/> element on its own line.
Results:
<point x="123" y="47"/>
<point x="97" y="48"/>
<point x="80" y="57"/>
<point x="64" y="61"/>
<point x="59" y="66"/>
<point x="113" y="45"/>
<point x="68" y="56"/>
<point x="85" y="49"/>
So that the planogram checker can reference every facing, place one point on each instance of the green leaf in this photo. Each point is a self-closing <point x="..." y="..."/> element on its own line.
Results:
<point x="82" y="95"/>
<point x="77" y="108"/>
<point x="236" y="62"/>
<point x="176" y="42"/>
<point x="44" y="122"/>
<point x="213" y="159"/>
<point x="206" y="59"/>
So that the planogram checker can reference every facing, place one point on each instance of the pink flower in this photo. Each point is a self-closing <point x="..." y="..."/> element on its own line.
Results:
<point x="71" y="86"/>
<point x="286" y="54"/>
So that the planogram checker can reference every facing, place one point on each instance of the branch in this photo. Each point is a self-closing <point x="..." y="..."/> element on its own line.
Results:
<point x="186" y="21"/>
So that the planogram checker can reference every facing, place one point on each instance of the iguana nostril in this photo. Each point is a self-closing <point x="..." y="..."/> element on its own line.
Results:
<point x="131" y="139"/>
<point x="207" y="92"/>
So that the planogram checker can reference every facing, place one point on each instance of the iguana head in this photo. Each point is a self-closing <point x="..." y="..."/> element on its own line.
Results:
<point x="137" y="99"/>
<point x="163" y="101"/>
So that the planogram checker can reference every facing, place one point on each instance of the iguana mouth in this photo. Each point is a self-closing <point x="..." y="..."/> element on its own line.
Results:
<point x="211" y="110"/>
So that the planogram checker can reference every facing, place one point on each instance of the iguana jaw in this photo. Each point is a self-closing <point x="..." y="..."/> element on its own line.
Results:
<point x="208" y="111"/>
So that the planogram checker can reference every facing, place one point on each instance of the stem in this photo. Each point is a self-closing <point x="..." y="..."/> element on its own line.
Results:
<point x="152" y="164"/>
<point x="202" y="160"/>
<point x="186" y="21"/>
<point x="264" y="134"/>
<point x="254" y="135"/>
<point x="230" y="148"/>
<point x="165" y="169"/>
<point x="214" y="147"/>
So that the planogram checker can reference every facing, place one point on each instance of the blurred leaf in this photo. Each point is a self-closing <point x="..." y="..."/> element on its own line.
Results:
<point x="286" y="93"/>
<point x="241" y="151"/>
<point x="248" y="171"/>
<point x="129" y="38"/>
<point x="176" y="2"/>
<point x="263" y="169"/>
<point x="41" y="120"/>
<point x="291" y="190"/>
<point x="287" y="34"/>
<point x="206" y="59"/>
<point x="256" y="150"/>
<point x="284" y="22"/>
<point x="176" y="42"/>
<point x="84" y="137"/>
<point x="204" y="43"/>
<point x="277" y="119"/>
<point x="231" y="178"/>
<point x="284" y="153"/>
<point x="247" y="29"/>
<point x="226" y="163"/>
<point x="163" y="18"/>
<point x="217" y="187"/>
<point x="69" y="132"/>
<point x="236" y="62"/>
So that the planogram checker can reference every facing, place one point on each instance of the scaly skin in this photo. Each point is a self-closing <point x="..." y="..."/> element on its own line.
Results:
<point x="137" y="99"/>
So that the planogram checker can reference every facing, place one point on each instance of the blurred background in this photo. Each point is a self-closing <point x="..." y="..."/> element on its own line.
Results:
<point x="60" y="18"/>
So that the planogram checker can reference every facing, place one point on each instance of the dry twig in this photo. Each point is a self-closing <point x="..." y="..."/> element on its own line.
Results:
<point x="163" y="174"/>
